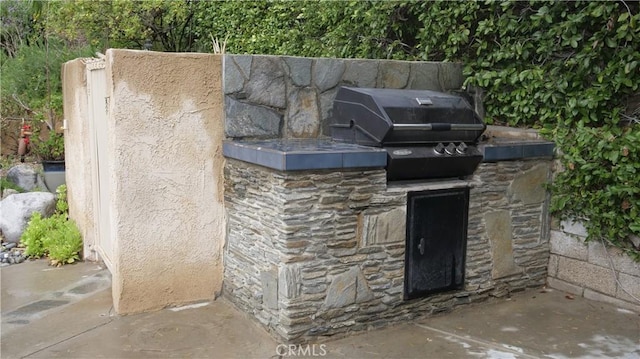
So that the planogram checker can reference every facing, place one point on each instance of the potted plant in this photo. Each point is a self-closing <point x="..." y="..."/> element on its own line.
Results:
<point x="50" y="151"/>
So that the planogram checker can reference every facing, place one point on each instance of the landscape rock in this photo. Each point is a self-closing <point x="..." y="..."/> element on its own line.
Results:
<point x="8" y="192"/>
<point x="25" y="176"/>
<point x="10" y="255"/>
<point x="16" y="210"/>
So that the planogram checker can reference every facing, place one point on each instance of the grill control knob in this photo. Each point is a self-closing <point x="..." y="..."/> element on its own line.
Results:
<point x="439" y="149"/>
<point x="450" y="149"/>
<point x="462" y="148"/>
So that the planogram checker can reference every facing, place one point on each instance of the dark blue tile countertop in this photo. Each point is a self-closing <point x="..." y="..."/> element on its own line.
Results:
<point x="514" y="150"/>
<point x="305" y="154"/>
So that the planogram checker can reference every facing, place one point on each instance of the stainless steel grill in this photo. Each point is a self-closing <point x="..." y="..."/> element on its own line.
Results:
<point x="426" y="134"/>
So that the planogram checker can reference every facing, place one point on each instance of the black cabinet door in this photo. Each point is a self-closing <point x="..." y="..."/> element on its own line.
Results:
<point x="436" y="241"/>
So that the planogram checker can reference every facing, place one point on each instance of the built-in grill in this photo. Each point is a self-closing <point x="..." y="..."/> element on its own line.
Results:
<point x="426" y="134"/>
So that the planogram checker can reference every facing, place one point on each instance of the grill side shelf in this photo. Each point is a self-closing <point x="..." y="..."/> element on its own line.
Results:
<point x="438" y="127"/>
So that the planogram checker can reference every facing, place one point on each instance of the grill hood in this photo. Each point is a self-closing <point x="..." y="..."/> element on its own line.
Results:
<point x="391" y="117"/>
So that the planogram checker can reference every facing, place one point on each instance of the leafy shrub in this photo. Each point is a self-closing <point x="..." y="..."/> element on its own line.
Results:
<point x="50" y="149"/>
<point x="31" y="79"/>
<point x="34" y="234"/>
<point x="57" y="236"/>
<point x="64" y="242"/>
<point x="62" y="206"/>
<point x="603" y="164"/>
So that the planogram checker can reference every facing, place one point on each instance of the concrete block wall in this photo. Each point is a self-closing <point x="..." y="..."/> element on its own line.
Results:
<point x="591" y="270"/>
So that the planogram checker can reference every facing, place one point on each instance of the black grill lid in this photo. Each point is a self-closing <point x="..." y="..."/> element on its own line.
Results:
<point x="378" y="117"/>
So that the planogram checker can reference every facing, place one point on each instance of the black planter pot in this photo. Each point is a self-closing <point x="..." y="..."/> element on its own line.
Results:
<point x="54" y="174"/>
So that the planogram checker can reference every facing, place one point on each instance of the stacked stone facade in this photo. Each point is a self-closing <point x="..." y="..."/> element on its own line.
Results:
<point x="313" y="254"/>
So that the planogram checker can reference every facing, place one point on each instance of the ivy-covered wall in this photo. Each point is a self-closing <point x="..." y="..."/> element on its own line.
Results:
<point x="568" y="67"/>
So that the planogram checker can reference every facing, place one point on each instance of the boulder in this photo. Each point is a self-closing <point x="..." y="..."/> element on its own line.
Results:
<point x="8" y="192"/>
<point x="16" y="210"/>
<point x="25" y="176"/>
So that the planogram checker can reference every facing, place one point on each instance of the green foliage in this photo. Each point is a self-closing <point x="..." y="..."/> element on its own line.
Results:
<point x="5" y="183"/>
<point x="124" y="23"/>
<point x="16" y="24"/>
<point x="568" y="68"/>
<point x="33" y="235"/>
<point x="62" y="206"/>
<point x="367" y="29"/>
<point x="56" y="236"/>
<point x="602" y="165"/>
<point x="50" y="149"/>
<point x="31" y="80"/>
<point x="64" y="241"/>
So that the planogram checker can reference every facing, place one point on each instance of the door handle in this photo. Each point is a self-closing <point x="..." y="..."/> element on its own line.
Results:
<point x="421" y="246"/>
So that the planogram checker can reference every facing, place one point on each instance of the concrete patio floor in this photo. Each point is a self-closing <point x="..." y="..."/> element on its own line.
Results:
<point x="66" y="313"/>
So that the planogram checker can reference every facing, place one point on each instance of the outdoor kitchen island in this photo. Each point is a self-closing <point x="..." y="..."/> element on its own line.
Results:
<point x="317" y="235"/>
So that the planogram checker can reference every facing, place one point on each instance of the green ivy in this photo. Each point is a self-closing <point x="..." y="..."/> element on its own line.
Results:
<point x="570" y="69"/>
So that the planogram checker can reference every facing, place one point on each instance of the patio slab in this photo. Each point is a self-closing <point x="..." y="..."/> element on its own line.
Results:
<point x="537" y="323"/>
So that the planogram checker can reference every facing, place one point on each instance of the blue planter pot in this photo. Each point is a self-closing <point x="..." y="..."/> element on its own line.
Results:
<point x="54" y="174"/>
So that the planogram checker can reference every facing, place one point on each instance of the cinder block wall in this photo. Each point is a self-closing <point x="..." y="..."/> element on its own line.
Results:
<point x="590" y="270"/>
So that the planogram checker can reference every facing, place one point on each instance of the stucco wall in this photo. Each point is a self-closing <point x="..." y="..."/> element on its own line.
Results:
<point x="166" y="166"/>
<point x="77" y="153"/>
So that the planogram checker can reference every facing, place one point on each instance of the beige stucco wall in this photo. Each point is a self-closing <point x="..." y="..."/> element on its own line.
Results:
<point x="166" y="165"/>
<point x="77" y="153"/>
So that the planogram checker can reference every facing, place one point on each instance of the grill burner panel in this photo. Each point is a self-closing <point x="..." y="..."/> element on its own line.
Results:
<point x="426" y="134"/>
<point x="405" y="163"/>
